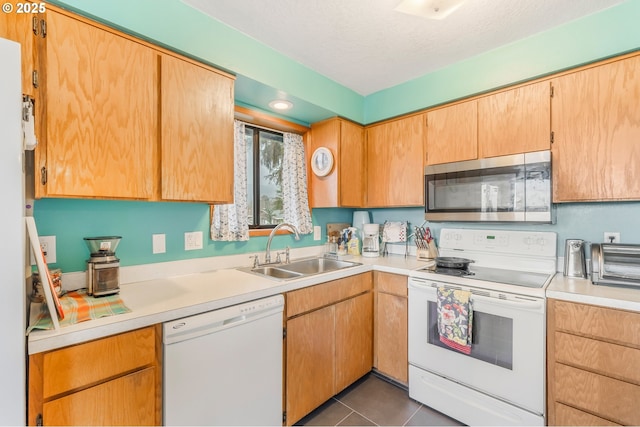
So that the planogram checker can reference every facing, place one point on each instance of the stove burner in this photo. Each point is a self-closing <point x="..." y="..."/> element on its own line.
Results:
<point x="459" y="272"/>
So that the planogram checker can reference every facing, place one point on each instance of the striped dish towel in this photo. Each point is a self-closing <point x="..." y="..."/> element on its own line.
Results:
<point x="79" y="307"/>
<point x="455" y="318"/>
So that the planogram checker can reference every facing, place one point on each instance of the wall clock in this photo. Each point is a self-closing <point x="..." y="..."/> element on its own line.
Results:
<point x="321" y="161"/>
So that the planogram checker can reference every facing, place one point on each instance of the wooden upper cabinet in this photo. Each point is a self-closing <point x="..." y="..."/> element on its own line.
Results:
<point x="344" y="185"/>
<point x="395" y="153"/>
<point x="596" y="125"/>
<point x="515" y="121"/>
<point x="101" y="112"/>
<point x="452" y="133"/>
<point x="197" y="132"/>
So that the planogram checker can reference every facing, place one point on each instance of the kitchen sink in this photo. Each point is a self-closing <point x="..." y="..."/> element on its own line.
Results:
<point x="301" y="268"/>
<point x="317" y="265"/>
<point x="276" y="272"/>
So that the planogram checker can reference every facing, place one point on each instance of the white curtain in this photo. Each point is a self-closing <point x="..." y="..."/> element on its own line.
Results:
<point x="230" y="222"/>
<point x="294" y="184"/>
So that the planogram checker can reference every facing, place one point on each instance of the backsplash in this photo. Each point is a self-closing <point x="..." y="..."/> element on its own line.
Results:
<point x="70" y="220"/>
<point x="587" y="221"/>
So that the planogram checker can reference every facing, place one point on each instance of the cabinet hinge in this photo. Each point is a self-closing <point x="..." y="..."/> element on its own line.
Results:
<point x="551" y="91"/>
<point x="34" y="26"/>
<point x="284" y="333"/>
<point x="34" y="79"/>
<point x="43" y="175"/>
<point x="43" y="28"/>
<point x="552" y="137"/>
<point x="284" y="416"/>
<point x="39" y="420"/>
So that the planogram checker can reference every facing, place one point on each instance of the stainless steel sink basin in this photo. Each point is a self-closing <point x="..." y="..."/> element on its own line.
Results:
<point x="317" y="265"/>
<point x="276" y="272"/>
<point x="305" y="267"/>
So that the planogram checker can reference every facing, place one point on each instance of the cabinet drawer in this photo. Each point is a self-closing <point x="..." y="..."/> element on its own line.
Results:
<point x="568" y="416"/>
<point x="313" y="297"/>
<point x="89" y="363"/>
<point x="606" y="397"/>
<point x="602" y="323"/>
<point x="604" y="358"/>
<point x="389" y="283"/>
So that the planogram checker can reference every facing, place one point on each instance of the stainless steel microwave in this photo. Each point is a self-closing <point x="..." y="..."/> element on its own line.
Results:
<point x="515" y="188"/>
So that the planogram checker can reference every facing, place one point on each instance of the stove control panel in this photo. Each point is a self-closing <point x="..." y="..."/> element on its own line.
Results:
<point x="538" y="243"/>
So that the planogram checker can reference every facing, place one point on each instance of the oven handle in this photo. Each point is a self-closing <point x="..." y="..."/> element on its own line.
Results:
<point x="533" y="305"/>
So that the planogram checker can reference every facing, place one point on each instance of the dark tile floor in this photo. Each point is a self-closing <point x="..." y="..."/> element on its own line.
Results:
<point x="374" y="401"/>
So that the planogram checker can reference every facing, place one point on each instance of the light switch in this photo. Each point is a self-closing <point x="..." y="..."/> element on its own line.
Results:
<point x="159" y="243"/>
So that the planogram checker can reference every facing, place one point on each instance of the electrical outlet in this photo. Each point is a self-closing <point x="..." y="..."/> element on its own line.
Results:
<point x="317" y="232"/>
<point x="193" y="240"/>
<point x="48" y="245"/>
<point x="611" y="237"/>
<point x="159" y="243"/>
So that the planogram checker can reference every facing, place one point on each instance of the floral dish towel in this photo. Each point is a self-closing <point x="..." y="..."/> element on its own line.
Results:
<point x="455" y="318"/>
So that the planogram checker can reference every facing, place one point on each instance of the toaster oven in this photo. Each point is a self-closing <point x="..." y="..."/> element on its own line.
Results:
<point x="615" y="264"/>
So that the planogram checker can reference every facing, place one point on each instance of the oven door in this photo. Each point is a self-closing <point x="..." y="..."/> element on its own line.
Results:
<point x="507" y="351"/>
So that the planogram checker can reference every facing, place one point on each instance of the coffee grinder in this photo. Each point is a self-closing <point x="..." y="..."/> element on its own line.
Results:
<point x="103" y="268"/>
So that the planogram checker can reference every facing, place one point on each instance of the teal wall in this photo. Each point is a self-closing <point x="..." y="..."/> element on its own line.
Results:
<point x="587" y="221"/>
<point x="263" y="71"/>
<point x="70" y="220"/>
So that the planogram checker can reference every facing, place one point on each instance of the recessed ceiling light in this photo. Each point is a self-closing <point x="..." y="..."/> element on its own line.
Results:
<point x="280" y="104"/>
<point x="431" y="9"/>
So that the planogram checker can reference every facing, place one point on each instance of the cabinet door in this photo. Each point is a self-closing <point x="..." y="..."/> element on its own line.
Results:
<point x="101" y="112"/>
<point x="324" y="189"/>
<point x="354" y="339"/>
<point x="391" y="336"/>
<point x="197" y="133"/>
<point x="344" y="185"/>
<point x="352" y="166"/>
<point x="125" y="401"/>
<point x="310" y="370"/>
<point x="395" y="152"/>
<point x="515" y="121"/>
<point x="596" y="125"/>
<point x="452" y="133"/>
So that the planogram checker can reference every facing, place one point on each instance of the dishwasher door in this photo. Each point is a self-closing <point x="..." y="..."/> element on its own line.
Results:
<point x="224" y="367"/>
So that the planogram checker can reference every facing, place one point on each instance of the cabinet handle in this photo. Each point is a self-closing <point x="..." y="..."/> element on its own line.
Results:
<point x="39" y="420"/>
<point x="43" y="175"/>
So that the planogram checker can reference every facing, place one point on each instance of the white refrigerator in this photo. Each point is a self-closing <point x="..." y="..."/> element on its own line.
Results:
<point x="12" y="249"/>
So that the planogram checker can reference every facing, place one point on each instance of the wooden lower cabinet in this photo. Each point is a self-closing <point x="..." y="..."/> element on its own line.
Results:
<point x="391" y="333"/>
<point x="115" y="380"/>
<point x="310" y="362"/>
<point x="128" y="400"/>
<point x="593" y="365"/>
<point x="329" y="341"/>
<point x="354" y="339"/>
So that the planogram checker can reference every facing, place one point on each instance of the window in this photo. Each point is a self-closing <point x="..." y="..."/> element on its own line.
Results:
<point x="265" y="150"/>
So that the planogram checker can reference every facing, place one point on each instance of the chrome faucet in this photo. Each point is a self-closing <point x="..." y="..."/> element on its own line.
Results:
<point x="267" y="255"/>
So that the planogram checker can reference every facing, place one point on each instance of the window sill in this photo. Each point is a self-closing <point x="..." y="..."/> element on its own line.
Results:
<point x="266" y="232"/>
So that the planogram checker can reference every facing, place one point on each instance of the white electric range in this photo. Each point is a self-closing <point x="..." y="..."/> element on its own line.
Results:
<point x="502" y="380"/>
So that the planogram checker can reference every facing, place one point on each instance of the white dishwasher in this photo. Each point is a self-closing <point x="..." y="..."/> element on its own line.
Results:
<point x="224" y="367"/>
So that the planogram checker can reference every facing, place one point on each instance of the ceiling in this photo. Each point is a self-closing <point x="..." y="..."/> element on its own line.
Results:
<point x="366" y="46"/>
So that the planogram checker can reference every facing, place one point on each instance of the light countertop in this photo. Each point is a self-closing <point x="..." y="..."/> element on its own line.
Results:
<point x="583" y="291"/>
<point x="164" y="299"/>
